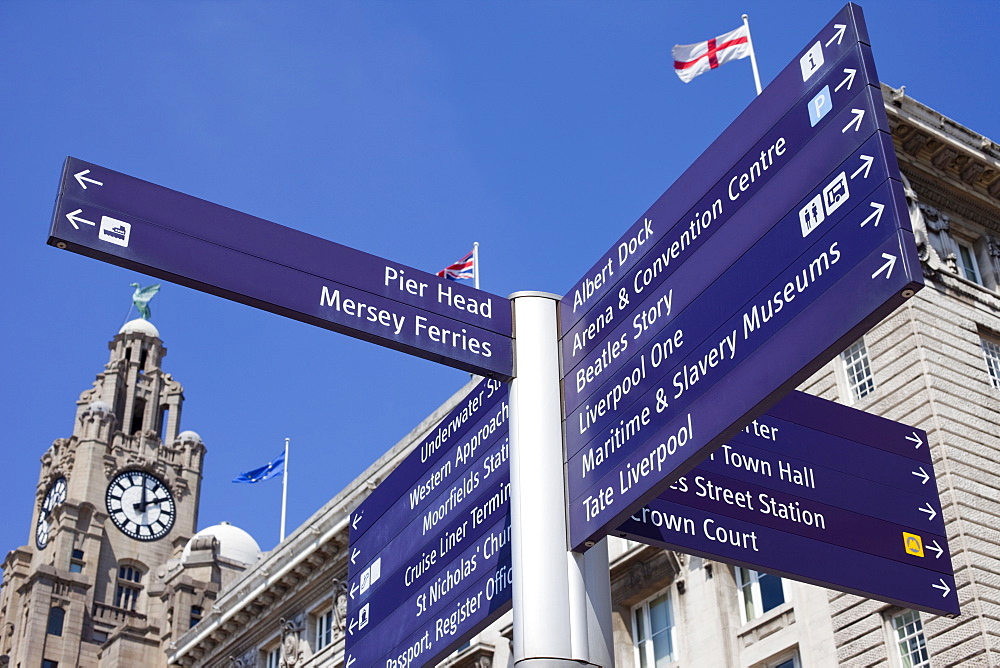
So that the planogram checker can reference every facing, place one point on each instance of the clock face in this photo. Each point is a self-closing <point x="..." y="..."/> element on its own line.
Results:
<point x="53" y="497"/>
<point x="140" y="505"/>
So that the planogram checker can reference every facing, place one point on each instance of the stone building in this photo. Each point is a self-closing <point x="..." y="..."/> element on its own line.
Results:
<point x="935" y="364"/>
<point x="114" y="569"/>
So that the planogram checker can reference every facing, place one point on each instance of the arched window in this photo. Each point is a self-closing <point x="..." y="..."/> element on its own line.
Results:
<point x="56" y="617"/>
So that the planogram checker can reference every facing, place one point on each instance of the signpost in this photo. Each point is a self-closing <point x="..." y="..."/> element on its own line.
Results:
<point x="785" y="241"/>
<point x="138" y="225"/>
<point x="818" y="492"/>
<point x="430" y="548"/>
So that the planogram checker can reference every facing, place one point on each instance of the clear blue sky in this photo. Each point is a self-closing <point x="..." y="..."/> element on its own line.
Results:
<point x="404" y="129"/>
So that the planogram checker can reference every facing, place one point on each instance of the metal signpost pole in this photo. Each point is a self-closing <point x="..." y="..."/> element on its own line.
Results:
<point x="551" y="599"/>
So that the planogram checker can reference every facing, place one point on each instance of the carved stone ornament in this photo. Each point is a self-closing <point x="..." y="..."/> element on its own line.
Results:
<point x="339" y="607"/>
<point x="292" y="653"/>
<point x="59" y="458"/>
<point x="247" y="659"/>
<point x="992" y="246"/>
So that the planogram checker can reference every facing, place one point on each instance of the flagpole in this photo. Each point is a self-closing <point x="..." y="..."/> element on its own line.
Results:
<point x="753" y="56"/>
<point x="284" y="492"/>
<point x="475" y="263"/>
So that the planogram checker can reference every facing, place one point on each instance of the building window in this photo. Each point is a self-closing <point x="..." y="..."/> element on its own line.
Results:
<point x="908" y="638"/>
<point x="324" y="629"/>
<point x="272" y="657"/>
<point x="991" y="351"/>
<point x="759" y="592"/>
<point x="76" y="561"/>
<point x="49" y="663"/>
<point x="653" y="632"/>
<point x="127" y="590"/>
<point x="857" y="371"/>
<point x="196" y="614"/>
<point x="56" y="617"/>
<point x="968" y="267"/>
<point x="787" y="662"/>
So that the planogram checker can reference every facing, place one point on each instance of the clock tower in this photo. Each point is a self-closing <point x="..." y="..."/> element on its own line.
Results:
<point x="115" y="502"/>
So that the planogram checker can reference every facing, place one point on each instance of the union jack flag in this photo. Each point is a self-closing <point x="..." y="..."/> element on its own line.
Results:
<point x="464" y="268"/>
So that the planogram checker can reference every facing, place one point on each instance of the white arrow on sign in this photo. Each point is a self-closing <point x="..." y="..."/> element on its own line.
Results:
<point x="354" y="588"/>
<point x="890" y="262"/>
<point x="849" y="79"/>
<point x="915" y="439"/>
<point x="931" y="513"/>
<point x="81" y="178"/>
<point x="350" y="660"/>
<point x="354" y="554"/>
<point x="353" y="625"/>
<point x="839" y="35"/>
<point x="945" y="589"/>
<point x="937" y="548"/>
<point x="876" y="214"/>
<point x="356" y="519"/>
<point x="856" y="121"/>
<point x="922" y="475"/>
<point x="866" y="166"/>
<point x="74" y="219"/>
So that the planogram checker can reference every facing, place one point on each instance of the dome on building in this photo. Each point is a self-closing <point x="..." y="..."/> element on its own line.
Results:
<point x="189" y="436"/>
<point x="234" y="543"/>
<point x="139" y="326"/>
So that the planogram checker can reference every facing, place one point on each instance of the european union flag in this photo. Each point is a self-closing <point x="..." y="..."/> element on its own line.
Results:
<point x="269" y="470"/>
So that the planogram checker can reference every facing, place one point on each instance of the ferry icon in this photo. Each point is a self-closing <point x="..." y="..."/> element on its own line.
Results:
<point x="114" y="231"/>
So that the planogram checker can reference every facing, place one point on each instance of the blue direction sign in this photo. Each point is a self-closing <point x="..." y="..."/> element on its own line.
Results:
<point x="723" y="298"/>
<point x="138" y="225"/>
<point x="429" y="552"/>
<point x="817" y="492"/>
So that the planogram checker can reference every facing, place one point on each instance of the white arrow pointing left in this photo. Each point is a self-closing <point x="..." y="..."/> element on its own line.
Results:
<point x="81" y="178"/>
<point x="350" y="661"/>
<point x="856" y="121"/>
<point x="356" y="519"/>
<point x="945" y="589"/>
<point x="74" y="219"/>
<point x="876" y="214"/>
<point x="354" y="554"/>
<point x="890" y="262"/>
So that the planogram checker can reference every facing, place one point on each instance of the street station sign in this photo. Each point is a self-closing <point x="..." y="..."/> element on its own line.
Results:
<point x="818" y="492"/>
<point x="785" y="241"/>
<point x="138" y="225"/>
<point x="430" y="559"/>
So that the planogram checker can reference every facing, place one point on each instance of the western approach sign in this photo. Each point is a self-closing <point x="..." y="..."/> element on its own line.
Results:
<point x="787" y="239"/>
<point x="430" y="559"/>
<point x="818" y="492"/>
<point x="138" y="225"/>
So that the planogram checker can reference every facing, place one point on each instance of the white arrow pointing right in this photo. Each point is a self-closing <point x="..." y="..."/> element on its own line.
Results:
<point x="866" y="166"/>
<point x="937" y="548"/>
<point x="931" y="513"/>
<point x="74" y="219"/>
<point x="859" y="114"/>
<point x="922" y="475"/>
<point x="890" y="262"/>
<point x="945" y="589"/>
<point x="876" y="214"/>
<point x="839" y="35"/>
<point x="915" y="440"/>
<point x="849" y="79"/>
